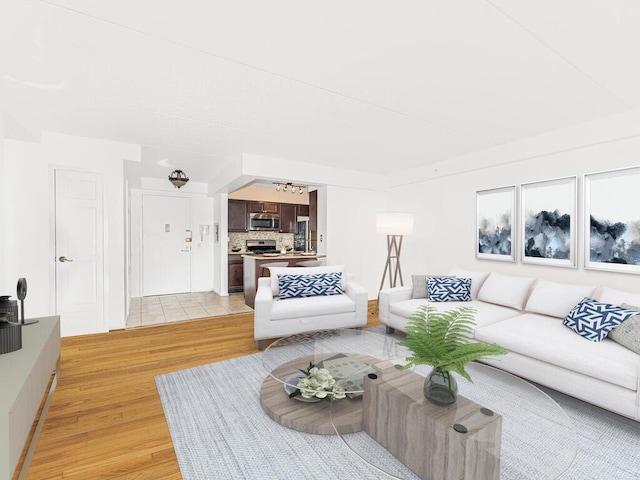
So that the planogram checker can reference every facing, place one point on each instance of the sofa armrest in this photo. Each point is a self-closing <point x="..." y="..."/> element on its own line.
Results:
<point x="360" y="296"/>
<point x="388" y="296"/>
<point x="262" y="308"/>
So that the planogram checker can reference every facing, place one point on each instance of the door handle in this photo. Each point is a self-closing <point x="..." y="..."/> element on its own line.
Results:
<point x="65" y="259"/>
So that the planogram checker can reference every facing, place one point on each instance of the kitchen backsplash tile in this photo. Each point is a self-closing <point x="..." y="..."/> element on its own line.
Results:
<point x="240" y="238"/>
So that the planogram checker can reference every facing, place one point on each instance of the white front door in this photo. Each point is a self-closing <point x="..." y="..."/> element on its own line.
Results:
<point x="166" y="252"/>
<point x="79" y="263"/>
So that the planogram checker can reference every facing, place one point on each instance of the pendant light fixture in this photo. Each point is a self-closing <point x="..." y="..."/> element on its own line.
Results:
<point x="178" y="178"/>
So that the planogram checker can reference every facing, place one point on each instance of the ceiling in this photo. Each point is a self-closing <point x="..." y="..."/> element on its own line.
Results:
<point x="374" y="86"/>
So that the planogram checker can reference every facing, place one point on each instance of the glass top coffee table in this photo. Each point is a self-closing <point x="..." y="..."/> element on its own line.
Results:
<point x="537" y="440"/>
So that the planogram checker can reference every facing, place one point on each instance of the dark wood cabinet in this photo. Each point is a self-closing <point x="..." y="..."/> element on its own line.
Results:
<point x="313" y="211"/>
<point x="238" y="216"/>
<point x="272" y="207"/>
<point x="288" y="217"/>
<point x="236" y="273"/>
<point x="313" y="219"/>
<point x="303" y="211"/>
<point x="266" y="207"/>
<point x="239" y="211"/>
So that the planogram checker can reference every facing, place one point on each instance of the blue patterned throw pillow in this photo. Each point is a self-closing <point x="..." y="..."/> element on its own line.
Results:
<point x="442" y="289"/>
<point x="310" y="285"/>
<point x="594" y="320"/>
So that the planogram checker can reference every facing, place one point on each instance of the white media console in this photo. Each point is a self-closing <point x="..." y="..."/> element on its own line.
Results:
<point x="24" y="377"/>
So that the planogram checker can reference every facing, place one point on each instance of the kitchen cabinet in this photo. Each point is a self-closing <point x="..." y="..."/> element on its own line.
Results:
<point x="303" y="211"/>
<point x="236" y="273"/>
<point x="264" y="207"/>
<point x="313" y="219"/>
<point x="288" y="218"/>
<point x="238" y="216"/>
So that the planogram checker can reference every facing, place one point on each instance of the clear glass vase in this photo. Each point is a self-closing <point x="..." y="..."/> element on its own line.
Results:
<point x="440" y="387"/>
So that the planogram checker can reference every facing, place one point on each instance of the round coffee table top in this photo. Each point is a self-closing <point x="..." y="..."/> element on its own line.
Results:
<point x="538" y="439"/>
<point x="348" y="355"/>
<point x="324" y="417"/>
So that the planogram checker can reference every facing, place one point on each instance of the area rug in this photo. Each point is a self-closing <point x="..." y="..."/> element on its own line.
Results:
<point x="219" y="431"/>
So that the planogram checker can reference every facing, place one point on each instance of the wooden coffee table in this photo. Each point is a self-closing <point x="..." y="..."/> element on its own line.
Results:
<point x="538" y="439"/>
<point x="321" y="417"/>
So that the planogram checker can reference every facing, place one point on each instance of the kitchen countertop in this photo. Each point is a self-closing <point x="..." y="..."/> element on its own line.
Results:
<point x="287" y="256"/>
<point x="253" y="270"/>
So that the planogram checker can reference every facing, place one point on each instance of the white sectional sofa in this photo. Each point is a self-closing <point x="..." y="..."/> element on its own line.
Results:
<point x="525" y="316"/>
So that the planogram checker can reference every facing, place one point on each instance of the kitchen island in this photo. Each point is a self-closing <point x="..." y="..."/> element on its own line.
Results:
<point x="253" y="269"/>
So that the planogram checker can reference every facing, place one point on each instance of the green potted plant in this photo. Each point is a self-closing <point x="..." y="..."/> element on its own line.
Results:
<point x="443" y="340"/>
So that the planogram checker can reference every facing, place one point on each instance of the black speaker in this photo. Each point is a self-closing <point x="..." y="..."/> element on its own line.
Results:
<point x="10" y="327"/>
<point x="10" y="307"/>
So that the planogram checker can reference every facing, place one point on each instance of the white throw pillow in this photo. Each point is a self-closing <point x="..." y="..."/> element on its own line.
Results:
<point x="506" y="290"/>
<point x="477" y="279"/>
<point x="618" y="297"/>
<point x="556" y="299"/>
<point x="274" y="272"/>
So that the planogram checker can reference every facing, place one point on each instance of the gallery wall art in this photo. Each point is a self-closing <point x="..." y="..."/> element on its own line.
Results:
<point x="612" y="220"/>
<point x="495" y="230"/>
<point x="548" y="222"/>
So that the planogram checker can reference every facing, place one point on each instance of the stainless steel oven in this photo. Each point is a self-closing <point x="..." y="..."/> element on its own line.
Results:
<point x="264" y="221"/>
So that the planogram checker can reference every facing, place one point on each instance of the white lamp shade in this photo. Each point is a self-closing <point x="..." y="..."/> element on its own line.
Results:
<point x="394" y="223"/>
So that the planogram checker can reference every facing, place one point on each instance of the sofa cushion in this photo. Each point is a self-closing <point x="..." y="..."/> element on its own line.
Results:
<point x="486" y="313"/>
<point x="594" y="320"/>
<point x="292" y="286"/>
<point x="477" y="279"/>
<point x="556" y="299"/>
<point x="506" y="290"/>
<point x="618" y="297"/>
<point x="419" y="285"/>
<point x="627" y="333"/>
<point x="311" y="306"/>
<point x="546" y="339"/>
<point x="274" y="272"/>
<point x="442" y="289"/>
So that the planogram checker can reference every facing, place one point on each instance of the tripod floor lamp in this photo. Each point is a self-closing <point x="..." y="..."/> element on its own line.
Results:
<point x="394" y="225"/>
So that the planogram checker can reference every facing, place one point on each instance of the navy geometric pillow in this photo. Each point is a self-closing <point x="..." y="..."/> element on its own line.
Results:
<point x="594" y="320"/>
<point x="442" y="289"/>
<point x="311" y="285"/>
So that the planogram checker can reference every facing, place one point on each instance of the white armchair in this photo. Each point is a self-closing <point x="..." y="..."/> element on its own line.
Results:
<point x="275" y="317"/>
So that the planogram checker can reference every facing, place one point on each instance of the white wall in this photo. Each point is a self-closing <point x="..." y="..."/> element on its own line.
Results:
<point x="4" y="288"/>
<point x="31" y="248"/>
<point x="135" y="285"/>
<point x="27" y="217"/>
<point x="202" y="264"/>
<point x="445" y="207"/>
<point x="350" y="233"/>
<point x="220" y="249"/>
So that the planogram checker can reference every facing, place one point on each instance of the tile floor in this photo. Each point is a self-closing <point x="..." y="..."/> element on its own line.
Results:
<point x="160" y="309"/>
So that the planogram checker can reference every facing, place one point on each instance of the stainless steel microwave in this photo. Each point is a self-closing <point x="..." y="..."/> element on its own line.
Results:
<point x="264" y="221"/>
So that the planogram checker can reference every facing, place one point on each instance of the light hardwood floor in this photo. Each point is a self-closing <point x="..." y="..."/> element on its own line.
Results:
<point x="106" y="419"/>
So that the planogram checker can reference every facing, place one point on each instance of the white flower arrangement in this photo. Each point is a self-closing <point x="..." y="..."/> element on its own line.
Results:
<point x="318" y="383"/>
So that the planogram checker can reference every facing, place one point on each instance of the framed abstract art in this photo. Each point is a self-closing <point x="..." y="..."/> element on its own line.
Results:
<point x="495" y="230"/>
<point x="612" y="221"/>
<point x="548" y="222"/>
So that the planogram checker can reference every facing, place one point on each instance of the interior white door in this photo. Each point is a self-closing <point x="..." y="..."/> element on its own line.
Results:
<point x="166" y="249"/>
<point x="79" y="261"/>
